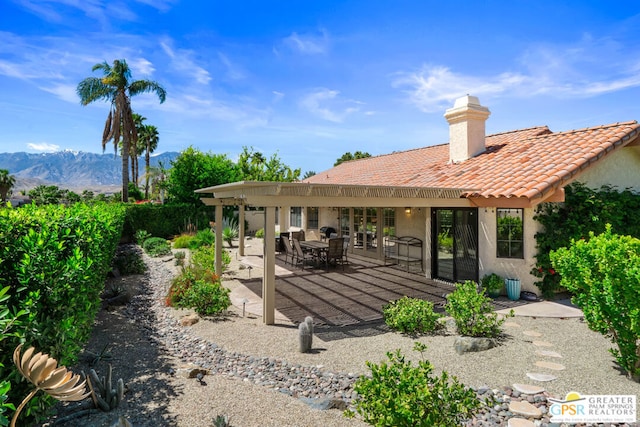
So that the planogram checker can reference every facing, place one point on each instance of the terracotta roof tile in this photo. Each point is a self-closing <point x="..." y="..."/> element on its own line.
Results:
<point x="523" y="163"/>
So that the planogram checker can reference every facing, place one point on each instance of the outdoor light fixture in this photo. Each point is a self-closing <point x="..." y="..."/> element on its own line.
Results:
<point x="407" y="211"/>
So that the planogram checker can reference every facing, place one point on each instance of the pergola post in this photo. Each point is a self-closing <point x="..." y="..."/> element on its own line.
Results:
<point x="241" y="230"/>
<point x="269" y="275"/>
<point x="284" y="210"/>
<point x="218" y="217"/>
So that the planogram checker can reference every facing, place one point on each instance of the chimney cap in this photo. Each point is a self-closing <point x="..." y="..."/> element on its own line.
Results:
<point x="466" y="100"/>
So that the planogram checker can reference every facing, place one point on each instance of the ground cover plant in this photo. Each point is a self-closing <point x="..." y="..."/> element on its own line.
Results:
<point x="182" y="241"/>
<point x="473" y="312"/>
<point x="156" y="246"/>
<point x="398" y="393"/>
<point x="603" y="272"/>
<point x="411" y="316"/>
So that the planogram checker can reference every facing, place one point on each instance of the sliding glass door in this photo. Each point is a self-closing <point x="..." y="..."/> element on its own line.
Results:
<point x="455" y="244"/>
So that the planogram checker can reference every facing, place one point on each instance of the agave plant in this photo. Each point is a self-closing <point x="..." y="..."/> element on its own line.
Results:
<point x="229" y="231"/>
<point x="42" y="371"/>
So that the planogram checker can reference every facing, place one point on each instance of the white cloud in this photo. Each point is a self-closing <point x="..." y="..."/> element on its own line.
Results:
<point x="307" y="43"/>
<point x="64" y="91"/>
<point x="233" y="71"/>
<point x="277" y="96"/>
<point x="43" y="147"/>
<point x="141" y="66"/>
<point x="181" y="60"/>
<point x="326" y="104"/>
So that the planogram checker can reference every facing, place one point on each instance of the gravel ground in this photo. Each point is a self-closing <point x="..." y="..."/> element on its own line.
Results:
<point x="256" y="372"/>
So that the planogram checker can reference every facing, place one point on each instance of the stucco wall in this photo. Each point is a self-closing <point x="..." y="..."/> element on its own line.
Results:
<point x="507" y="267"/>
<point x="620" y="169"/>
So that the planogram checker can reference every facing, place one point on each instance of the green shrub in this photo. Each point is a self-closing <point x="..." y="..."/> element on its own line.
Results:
<point x="584" y="211"/>
<point x="411" y="316"/>
<point x="202" y="238"/>
<point x="156" y="246"/>
<point x="164" y="220"/>
<point x="400" y="394"/>
<point x="141" y="236"/>
<point x="260" y="233"/>
<point x="54" y="261"/>
<point x="200" y="269"/>
<point x="182" y="241"/>
<point x="492" y="284"/>
<point x="180" y="285"/>
<point x="604" y="274"/>
<point x="208" y="298"/>
<point x="204" y="258"/>
<point x="473" y="312"/>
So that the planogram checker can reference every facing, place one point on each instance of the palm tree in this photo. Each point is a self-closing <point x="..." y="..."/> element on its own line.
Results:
<point x="138" y="148"/>
<point x="151" y="139"/>
<point x="116" y="87"/>
<point x="6" y="183"/>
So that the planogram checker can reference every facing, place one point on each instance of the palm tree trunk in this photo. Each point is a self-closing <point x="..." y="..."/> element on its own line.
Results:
<point x="147" y="161"/>
<point x="125" y="169"/>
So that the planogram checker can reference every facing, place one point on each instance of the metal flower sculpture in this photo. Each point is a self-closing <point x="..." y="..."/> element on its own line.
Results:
<point x="42" y="371"/>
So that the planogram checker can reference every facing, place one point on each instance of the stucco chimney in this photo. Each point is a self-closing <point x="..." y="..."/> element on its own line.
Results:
<point x="466" y="128"/>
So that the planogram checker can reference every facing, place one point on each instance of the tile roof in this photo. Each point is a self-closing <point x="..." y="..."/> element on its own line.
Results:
<point x="528" y="163"/>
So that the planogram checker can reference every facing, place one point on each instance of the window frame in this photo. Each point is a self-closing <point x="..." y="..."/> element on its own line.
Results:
<point x="511" y="242"/>
<point x="295" y="217"/>
<point x="313" y="218"/>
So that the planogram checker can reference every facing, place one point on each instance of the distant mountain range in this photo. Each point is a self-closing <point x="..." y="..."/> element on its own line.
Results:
<point x="74" y="170"/>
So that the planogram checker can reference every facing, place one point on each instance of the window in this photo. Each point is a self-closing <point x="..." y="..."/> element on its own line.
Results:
<point x="389" y="221"/>
<point x="312" y="218"/>
<point x="509" y="233"/>
<point x="296" y="217"/>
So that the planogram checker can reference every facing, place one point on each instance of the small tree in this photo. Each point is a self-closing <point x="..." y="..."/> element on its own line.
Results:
<point x="348" y="156"/>
<point x="604" y="274"/>
<point x="6" y="183"/>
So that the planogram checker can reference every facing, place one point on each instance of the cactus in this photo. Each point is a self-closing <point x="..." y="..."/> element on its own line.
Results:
<point x="309" y="321"/>
<point x="108" y="398"/>
<point x="304" y="336"/>
<point x="221" y="421"/>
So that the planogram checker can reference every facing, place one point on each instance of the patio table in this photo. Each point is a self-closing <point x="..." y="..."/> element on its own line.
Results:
<point x="316" y="246"/>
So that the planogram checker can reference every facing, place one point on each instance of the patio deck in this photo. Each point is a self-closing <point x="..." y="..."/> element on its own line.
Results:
<point x="334" y="297"/>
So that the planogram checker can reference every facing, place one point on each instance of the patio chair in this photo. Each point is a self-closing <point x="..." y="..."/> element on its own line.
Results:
<point x="288" y="250"/>
<point x="301" y="257"/>
<point x="345" y="249"/>
<point x="335" y="251"/>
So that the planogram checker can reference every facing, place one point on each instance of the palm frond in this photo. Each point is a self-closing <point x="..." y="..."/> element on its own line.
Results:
<point x="146" y="86"/>
<point x="92" y="89"/>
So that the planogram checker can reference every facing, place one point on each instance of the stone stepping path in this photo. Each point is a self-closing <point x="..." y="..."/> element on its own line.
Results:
<point x="550" y="365"/>
<point x="528" y="389"/>
<point x="549" y="353"/>
<point x="541" y="377"/>
<point x="524" y="408"/>
<point x="520" y="422"/>
<point x="510" y="325"/>
<point x="532" y="334"/>
<point x="542" y="344"/>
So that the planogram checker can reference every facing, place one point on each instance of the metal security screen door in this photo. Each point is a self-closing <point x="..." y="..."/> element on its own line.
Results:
<point x="455" y="244"/>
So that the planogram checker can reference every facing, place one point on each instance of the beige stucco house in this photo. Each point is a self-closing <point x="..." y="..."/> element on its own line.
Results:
<point x="462" y="209"/>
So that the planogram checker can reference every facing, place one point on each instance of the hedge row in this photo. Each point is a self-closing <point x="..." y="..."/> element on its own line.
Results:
<point x="54" y="260"/>
<point x="165" y="220"/>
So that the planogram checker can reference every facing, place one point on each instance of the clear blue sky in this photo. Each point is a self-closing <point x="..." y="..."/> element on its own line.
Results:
<point x="311" y="80"/>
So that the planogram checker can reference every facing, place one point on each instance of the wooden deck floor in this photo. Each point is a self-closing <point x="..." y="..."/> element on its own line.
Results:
<point x="334" y="297"/>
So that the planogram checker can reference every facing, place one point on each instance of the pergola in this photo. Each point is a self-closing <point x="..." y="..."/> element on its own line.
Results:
<point x="271" y="195"/>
